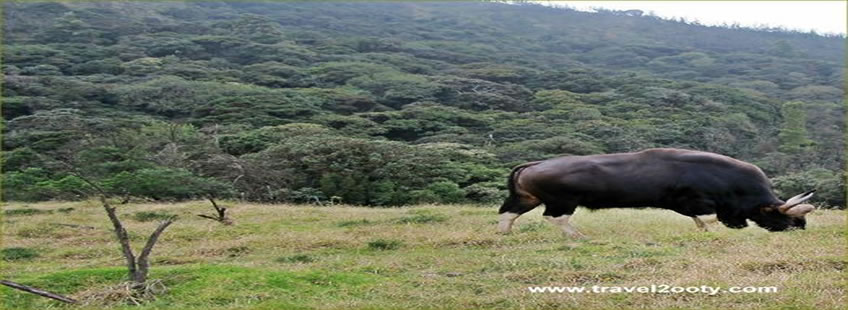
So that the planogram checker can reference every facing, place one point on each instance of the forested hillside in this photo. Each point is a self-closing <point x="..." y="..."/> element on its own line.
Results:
<point x="393" y="103"/>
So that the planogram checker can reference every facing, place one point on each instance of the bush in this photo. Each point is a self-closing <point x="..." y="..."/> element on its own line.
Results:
<point x="19" y="158"/>
<point x="166" y="183"/>
<point x="484" y="193"/>
<point x="307" y="195"/>
<point x="423" y="196"/>
<point x="25" y="185"/>
<point x="365" y="172"/>
<point x="386" y="193"/>
<point x="447" y="192"/>
<point x="67" y="188"/>
<point x="351" y="190"/>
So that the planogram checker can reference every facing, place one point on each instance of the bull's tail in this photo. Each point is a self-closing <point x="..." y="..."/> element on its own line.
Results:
<point x="510" y="182"/>
<point x="513" y="206"/>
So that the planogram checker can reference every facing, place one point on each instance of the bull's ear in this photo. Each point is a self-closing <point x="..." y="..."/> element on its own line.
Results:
<point x="768" y="209"/>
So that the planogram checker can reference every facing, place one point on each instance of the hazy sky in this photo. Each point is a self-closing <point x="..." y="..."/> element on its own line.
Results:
<point x="821" y="16"/>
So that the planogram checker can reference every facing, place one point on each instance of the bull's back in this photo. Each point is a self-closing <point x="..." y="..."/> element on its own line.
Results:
<point x="640" y="179"/>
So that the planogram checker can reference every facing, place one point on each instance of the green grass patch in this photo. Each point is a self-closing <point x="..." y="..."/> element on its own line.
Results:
<point x="488" y="212"/>
<point x="354" y="223"/>
<point x="148" y="216"/>
<point x="384" y="244"/>
<point x="25" y="212"/>
<point x="238" y="251"/>
<point x="65" y="283"/>
<point x="219" y="286"/>
<point x="12" y="254"/>
<point x="535" y="226"/>
<point x="300" y="258"/>
<point x="422" y="219"/>
<point x="40" y="231"/>
<point x="698" y="236"/>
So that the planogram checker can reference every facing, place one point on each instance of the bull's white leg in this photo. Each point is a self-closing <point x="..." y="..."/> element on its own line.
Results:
<point x="562" y="223"/>
<point x="708" y="219"/>
<point x="700" y="223"/>
<point x="507" y="218"/>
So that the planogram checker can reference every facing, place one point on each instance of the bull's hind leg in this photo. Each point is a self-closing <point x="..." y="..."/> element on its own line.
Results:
<point x="506" y="221"/>
<point x="559" y="215"/>
<point x="514" y="207"/>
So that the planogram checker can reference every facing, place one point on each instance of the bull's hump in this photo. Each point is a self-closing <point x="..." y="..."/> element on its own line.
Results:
<point x="653" y="155"/>
<point x="705" y="159"/>
<point x="695" y="156"/>
<point x="672" y="152"/>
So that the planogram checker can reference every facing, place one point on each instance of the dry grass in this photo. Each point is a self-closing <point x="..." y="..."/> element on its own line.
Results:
<point x="284" y="256"/>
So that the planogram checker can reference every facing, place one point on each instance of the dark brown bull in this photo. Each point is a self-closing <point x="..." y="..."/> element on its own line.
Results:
<point x="691" y="183"/>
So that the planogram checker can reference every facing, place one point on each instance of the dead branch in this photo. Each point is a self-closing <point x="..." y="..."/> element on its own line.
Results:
<point x="123" y="237"/>
<point x="222" y="213"/>
<point x="137" y="267"/>
<point x="38" y="292"/>
<point x="76" y="173"/>
<point x="237" y="179"/>
<point x="220" y="210"/>
<point x="142" y="262"/>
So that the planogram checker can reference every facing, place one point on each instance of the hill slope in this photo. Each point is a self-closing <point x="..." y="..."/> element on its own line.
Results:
<point x="291" y="101"/>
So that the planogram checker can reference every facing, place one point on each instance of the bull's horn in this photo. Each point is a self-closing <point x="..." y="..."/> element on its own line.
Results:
<point x="794" y="201"/>
<point x="800" y="210"/>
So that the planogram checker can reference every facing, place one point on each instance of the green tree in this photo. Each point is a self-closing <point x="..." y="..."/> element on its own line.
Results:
<point x="829" y="186"/>
<point x="793" y="130"/>
<point x="782" y="48"/>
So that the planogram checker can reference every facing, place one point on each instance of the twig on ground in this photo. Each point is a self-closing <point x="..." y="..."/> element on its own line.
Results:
<point x="38" y="292"/>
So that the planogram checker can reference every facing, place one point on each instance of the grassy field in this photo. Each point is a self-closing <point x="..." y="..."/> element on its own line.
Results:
<point x="303" y="257"/>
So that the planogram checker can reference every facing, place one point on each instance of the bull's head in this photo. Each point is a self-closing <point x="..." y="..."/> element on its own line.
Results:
<point x="789" y="215"/>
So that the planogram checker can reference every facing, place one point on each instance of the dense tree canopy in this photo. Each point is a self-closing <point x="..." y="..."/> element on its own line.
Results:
<point x="394" y="103"/>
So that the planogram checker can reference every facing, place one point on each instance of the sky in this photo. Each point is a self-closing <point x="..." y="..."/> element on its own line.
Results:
<point x="821" y="16"/>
